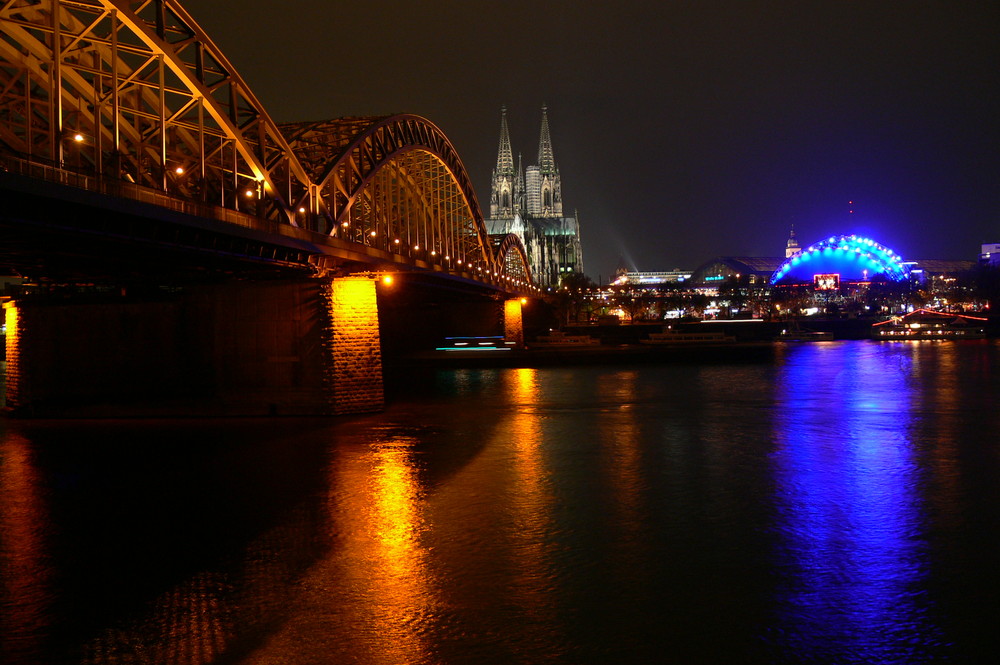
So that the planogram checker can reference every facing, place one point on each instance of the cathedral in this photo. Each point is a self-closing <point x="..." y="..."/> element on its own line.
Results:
<point x="528" y="202"/>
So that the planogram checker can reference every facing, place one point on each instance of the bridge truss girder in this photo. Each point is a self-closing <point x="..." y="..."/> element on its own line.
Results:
<point x="396" y="183"/>
<point x="513" y="258"/>
<point x="135" y="91"/>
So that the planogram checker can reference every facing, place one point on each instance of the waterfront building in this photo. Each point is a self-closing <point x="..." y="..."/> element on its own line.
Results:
<point x="841" y="259"/>
<point x="934" y="272"/>
<point x="845" y="259"/>
<point x="528" y="203"/>
<point x="753" y="271"/>
<point x="989" y="254"/>
<point x="849" y="271"/>
<point x="651" y="279"/>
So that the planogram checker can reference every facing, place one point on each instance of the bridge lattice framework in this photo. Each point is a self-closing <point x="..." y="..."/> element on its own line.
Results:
<point x="135" y="92"/>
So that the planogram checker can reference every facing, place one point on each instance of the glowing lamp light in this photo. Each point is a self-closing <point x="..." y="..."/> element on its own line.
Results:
<point x="387" y="280"/>
<point x="78" y="138"/>
<point x="248" y="193"/>
<point x="302" y="209"/>
<point x="179" y="170"/>
<point x="373" y="234"/>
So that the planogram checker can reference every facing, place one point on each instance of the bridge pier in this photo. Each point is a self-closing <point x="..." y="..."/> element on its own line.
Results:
<point x="281" y="347"/>
<point x="513" y="323"/>
<point x="353" y="351"/>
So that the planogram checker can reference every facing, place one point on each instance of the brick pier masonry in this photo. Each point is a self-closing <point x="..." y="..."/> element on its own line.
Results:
<point x="283" y="347"/>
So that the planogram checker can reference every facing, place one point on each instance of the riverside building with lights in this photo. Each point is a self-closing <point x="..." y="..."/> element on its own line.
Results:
<point x="651" y="279"/>
<point x="989" y="254"/>
<point x="528" y="203"/>
<point x="844" y="276"/>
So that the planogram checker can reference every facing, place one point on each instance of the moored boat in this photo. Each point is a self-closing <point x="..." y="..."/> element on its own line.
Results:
<point x="676" y="337"/>
<point x="795" y="333"/>
<point x="560" y="340"/>
<point x="929" y="324"/>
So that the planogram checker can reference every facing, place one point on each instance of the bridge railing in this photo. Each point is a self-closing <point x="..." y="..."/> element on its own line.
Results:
<point x="110" y="187"/>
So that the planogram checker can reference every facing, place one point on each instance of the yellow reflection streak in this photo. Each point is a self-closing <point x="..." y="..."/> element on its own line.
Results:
<point x="386" y="559"/>
<point x="24" y="578"/>
<point x="532" y="503"/>
<point x="377" y="521"/>
<point x="396" y="520"/>
<point x="619" y="435"/>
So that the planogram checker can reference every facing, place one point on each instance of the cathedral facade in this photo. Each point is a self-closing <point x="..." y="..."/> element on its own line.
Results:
<point x="528" y="202"/>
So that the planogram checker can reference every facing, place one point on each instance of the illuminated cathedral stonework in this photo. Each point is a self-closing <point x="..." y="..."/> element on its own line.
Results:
<point x="528" y="202"/>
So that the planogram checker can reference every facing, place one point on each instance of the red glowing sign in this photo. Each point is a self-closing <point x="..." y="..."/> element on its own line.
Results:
<point x="829" y="282"/>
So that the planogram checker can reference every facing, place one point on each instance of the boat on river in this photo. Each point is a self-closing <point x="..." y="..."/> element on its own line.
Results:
<point x="796" y="333"/>
<point x="929" y="324"/>
<point x="673" y="337"/>
<point x="556" y="339"/>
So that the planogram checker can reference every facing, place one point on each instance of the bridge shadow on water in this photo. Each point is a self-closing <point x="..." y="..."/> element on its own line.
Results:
<point x="181" y="541"/>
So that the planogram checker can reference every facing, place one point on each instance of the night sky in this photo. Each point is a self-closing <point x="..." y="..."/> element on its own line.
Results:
<point x="683" y="130"/>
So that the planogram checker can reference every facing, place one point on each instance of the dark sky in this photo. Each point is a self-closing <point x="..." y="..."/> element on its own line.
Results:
<point x="683" y="130"/>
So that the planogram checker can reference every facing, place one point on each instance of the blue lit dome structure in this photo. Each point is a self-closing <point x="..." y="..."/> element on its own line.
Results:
<point x="841" y="258"/>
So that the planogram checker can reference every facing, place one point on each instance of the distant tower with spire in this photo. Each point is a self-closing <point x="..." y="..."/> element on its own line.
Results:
<point x="504" y="178"/>
<point x="528" y="202"/>
<point x="792" y="248"/>
<point x="543" y="185"/>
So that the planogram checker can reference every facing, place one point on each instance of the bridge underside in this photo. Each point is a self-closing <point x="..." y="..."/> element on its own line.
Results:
<point x="66" y="235"/>
<point x="52" y="233"/>
<point x="135" y="310"/>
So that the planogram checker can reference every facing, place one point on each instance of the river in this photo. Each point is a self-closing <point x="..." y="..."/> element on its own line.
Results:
<point x="837" y="503"/>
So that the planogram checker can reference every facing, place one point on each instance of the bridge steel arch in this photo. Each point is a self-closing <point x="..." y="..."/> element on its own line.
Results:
<point x="135" y="92"/>
<point x="512" y="256"/>
<point x="395" y="183"/>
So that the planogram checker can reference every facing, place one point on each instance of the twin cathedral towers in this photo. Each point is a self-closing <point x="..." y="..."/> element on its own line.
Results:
<point x="528" y="202"/>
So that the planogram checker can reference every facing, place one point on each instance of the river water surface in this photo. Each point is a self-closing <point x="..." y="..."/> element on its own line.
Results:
<point x="839" y="503"/>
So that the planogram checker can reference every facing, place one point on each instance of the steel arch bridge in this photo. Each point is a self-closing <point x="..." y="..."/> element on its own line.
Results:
<point x="135" y="93"/>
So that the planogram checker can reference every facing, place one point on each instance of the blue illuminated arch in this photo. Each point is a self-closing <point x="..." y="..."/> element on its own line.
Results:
<point x="850" y="257"/>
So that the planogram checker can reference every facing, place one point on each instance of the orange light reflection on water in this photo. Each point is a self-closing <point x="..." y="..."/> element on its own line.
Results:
<point x="377" y="524"/>
<point x="380" y="519"/>
<point x="24" y="576"/>
<point x="529" y="526"/>
<point x="532" y="505"/>
<point x="620" y="441"/>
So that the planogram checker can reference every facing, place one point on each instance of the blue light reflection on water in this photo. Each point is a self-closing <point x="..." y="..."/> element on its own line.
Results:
<point x="837" y="505"/>
<point x="850" y="508"/>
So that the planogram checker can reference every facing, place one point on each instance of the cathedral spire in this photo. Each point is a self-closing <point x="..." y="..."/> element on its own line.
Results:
<point x="520" y="195"/>
<point x="546" y="162"/>
<point x="505" y="159"/>
<point x="502" y="189"/>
